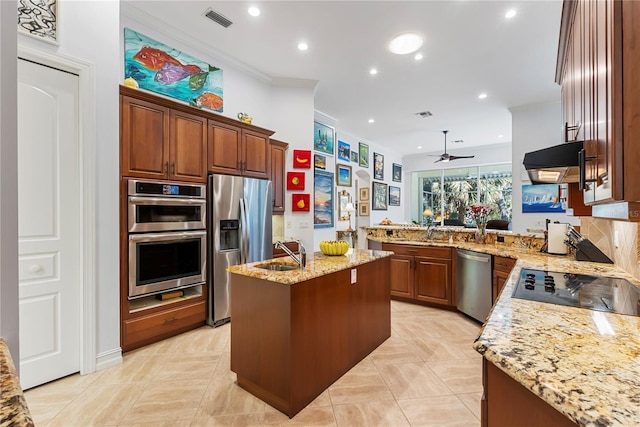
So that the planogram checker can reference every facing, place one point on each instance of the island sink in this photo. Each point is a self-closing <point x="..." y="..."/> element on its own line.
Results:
<point x="274" y="266"/>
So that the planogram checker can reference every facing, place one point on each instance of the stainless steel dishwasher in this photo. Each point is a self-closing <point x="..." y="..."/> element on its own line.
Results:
<point x="473" y="284"/>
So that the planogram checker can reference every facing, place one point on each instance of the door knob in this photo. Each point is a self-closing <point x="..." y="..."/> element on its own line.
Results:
<point x="35" y="268"/>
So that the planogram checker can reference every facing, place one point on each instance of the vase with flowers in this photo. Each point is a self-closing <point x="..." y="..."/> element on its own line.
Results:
<point x="480" y="215"/>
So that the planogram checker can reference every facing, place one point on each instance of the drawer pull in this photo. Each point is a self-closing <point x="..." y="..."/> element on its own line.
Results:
<point x="412" y="250"/>
<point x="169" y="321"/>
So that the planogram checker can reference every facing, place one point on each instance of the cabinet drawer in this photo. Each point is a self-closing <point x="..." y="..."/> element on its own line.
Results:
<point x="159" y="325"/>
<point x="503" y="264"/>
<point x="424" y="251"/>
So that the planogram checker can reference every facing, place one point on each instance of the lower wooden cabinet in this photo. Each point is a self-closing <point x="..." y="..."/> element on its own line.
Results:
<point x="502" y="267"/>
<point x="421" y="273"/>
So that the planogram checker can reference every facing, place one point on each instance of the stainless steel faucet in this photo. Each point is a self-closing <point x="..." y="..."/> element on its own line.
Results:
<point x="300" y="259"/>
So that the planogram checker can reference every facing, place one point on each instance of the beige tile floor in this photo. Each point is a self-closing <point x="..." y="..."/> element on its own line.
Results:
<point x="426" y="374"/>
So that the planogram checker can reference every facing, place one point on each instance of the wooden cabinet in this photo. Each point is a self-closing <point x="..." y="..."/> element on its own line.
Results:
<point x="233" y="150"/>
<point x="598" y="62"/>
<point x="161" y="143"/>
<point x="289" y="343"/>
<point x="421" y="273"/>
<point x="502" y="267"/>
<point x="506" y="403"/>
<point x="277" y="174"/>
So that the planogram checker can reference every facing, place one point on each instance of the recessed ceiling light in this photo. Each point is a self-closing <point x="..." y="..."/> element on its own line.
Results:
<point x="371" y="120"/>
<point x="510" y="14"/>
<point x="373" y="71"/>
<point x="419" y="147"/>
<point x="482" y="96"/>
<point x="253" y="11"/>
<point x="405" y="43"/>
<point x="303" y="46"/>
<point x="500" y="136"/>
<point x="418" y="57"/>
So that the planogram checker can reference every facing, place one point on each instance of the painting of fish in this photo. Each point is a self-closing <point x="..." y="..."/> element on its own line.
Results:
<point x="159" y="68"/>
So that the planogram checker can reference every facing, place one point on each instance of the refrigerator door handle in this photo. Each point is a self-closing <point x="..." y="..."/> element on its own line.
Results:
<point x="244" y="239"/>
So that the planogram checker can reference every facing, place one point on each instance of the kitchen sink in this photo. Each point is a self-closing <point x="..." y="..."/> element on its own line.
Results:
<point x="274" y="266"/>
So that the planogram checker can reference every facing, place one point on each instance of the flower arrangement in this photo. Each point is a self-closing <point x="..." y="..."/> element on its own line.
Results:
<point x="480" y="215"/>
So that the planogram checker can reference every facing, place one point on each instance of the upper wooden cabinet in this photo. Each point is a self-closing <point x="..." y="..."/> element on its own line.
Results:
<point x="598" y="62"/>
<point x="277" y="174"/>
<point x="162" y="143"/>
<point x="236" y="151"/>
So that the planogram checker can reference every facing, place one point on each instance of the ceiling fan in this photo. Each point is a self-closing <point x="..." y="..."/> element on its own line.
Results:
<point x="445" y="157"/>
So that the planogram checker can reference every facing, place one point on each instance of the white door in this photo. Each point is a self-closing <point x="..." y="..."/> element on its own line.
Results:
<point x="48" y="223"/>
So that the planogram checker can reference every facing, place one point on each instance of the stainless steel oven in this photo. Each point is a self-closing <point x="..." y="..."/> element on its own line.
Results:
<point x="167" y="236"/>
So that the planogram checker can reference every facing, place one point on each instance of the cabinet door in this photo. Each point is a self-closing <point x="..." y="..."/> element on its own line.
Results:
<point x="223" y="151"/>
<point x="256" y="153"/>
<point x="402" y="276"/>
<point x="145" y="139"/>
<point x="188" y="147"/>
<point x="433" y="280"/>
<point x="499" y="279"/>
<point x="277" y="174"/>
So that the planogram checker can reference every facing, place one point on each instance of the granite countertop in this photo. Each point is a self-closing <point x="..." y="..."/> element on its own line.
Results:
<point x="13" y="407"/>
<point x="584" y="363"/>
<point x="318" y="264"/>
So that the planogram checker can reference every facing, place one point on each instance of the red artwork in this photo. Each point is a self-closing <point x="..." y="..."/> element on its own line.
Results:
<point x="300" y="202"/>
<point x="302" y="159"/>
<point x="295" y="180"/>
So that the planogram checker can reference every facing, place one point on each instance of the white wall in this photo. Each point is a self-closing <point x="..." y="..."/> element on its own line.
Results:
<point x="9" y="326"/>
<point x="534" y="127"/>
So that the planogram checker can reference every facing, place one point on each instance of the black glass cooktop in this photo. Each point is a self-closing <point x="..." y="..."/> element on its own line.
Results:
<point x="599" y="293"/>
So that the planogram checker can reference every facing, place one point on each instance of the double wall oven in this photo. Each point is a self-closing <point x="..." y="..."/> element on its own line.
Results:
<point x="167" y="236"/>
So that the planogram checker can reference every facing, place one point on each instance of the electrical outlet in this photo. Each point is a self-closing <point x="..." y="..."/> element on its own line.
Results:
<point x="354" y="276"/>
<point x="500" y="239"/>
<point x="303" y="224"/>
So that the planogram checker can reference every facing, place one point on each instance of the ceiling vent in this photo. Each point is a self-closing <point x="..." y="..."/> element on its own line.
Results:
<point x="216" y="17"/>
<point x="424" y="114"/>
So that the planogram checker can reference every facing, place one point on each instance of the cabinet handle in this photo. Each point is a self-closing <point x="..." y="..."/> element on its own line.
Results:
<point x="166" y="168"/>
<point x="169" y="321"/>
<point x="173" y="168"/>
<point x="582" y="162"/>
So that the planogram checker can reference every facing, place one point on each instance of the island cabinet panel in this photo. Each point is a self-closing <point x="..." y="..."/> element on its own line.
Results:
<point x="507" y="403"/>
<point x="289" y="343"/>
<point x="402" y="276"/>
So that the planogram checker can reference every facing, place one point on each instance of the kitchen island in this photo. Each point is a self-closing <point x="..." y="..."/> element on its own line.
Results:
<point x="546" y="364"/>
<point x="294" y="333"/>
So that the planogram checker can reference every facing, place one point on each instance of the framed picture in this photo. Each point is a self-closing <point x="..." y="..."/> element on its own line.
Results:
<point x="163" y="69"/>
<point x="323" y="138"/>
<point x="300" y="203"/>
<point x="394" y="196"/>
<point x="343" y="172"/>
<point x="302" y="159"/>
<point x="379" y="191"/>
<point x="378" y="166"/>
<point x="363" y="209"/>
<point x="319" y="161"/>
<point x="295" y="181"/>
<point x="323" y="199"/>
<point x="344" y="151"/>
<point x="39" y="19"/>
<point x="354" y="156"/>
<point x="344" y="198"/>
<point x="364" y="194"/>
<point x="397" y="172"/>
<point x="541" y="198"/>
<point x="363" y="150"/>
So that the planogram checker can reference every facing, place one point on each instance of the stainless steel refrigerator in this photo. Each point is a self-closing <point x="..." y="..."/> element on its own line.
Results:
<point x="239" y="232"/>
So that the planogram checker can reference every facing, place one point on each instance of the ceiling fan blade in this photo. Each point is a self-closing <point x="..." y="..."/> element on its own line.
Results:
<point x="434" y="155"/>
<point x="460" y="157"/>
<point x="439" y="160"/>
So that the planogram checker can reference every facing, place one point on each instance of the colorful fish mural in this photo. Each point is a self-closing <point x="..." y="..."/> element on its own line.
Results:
<point x="159" y="68"/>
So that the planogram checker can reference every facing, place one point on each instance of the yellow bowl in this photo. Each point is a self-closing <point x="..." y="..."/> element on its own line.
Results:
<point x="334" y="248"/>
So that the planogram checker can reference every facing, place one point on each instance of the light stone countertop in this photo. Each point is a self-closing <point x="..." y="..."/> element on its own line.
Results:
<point x="318" y="265"/>
<point x="13" y="407"/>
<point x="566" y="355"/>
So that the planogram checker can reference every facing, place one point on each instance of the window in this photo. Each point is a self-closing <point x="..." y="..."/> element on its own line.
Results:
<point x="448" y="192"/>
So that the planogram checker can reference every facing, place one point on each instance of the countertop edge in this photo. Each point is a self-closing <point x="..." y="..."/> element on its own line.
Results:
<point x="14" y="411"/>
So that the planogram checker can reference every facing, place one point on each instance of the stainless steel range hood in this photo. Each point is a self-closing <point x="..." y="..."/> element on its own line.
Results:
<point x="554" y="165"/>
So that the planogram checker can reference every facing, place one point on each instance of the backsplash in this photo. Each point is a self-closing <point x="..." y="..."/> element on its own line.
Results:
<point x="601" y="232"/>
<point x="277" y="227"/>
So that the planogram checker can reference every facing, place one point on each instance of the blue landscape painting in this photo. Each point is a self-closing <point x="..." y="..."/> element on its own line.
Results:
<point x="156" y="67"/>
<point x="323" y="200"/>
<point x="541" y="198"/>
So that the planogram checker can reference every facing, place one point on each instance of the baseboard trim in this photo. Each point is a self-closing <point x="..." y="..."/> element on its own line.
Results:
<point x="109" y="358"/>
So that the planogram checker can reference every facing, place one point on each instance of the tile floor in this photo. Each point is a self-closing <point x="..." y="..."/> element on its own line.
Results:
<point x="426" y="374"/>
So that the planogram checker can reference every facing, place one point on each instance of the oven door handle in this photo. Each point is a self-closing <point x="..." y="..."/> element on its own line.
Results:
<point x="244" y="246"/>
<point x="164" y="201"/>
<point x="157" y="237"/>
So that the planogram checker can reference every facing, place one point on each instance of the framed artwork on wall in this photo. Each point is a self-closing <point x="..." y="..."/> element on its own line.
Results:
<point x="363" y="151"/>
<point x="394" y="196"/>
<point x="323" y="199"/>
<point x="343" y="172"/>
<point x="541" y="198"/>
<point x="302" y="159"/>
<point x="363" y="209"/>
<point x="379" y="191"/>
<point x="378" y="166"/>
<point x="397" y="172"/>
<point x="319" y="161"/>
<point x="364" y="194"/>
<point x="354" y="156"/>
<point x="300" y="203"/>
<point x="323" y="138"/>
<point x="39" y="19"/>
<point x="344" y="151"/>
<point x="295" y="181"/>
